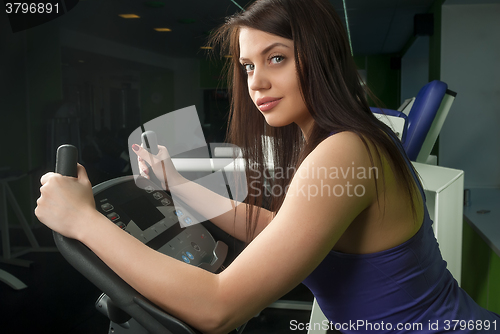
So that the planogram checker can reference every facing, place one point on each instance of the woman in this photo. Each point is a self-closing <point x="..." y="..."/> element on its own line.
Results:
<point x="352" y="224"/>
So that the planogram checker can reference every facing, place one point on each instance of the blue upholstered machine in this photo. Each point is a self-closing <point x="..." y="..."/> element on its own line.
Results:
<point x="425" y="119"/>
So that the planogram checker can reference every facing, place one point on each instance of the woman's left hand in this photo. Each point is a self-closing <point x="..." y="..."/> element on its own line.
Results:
<point x="65" y="202"/>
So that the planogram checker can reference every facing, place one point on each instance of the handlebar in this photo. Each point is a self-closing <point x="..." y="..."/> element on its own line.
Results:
<point x="150" y="141"/>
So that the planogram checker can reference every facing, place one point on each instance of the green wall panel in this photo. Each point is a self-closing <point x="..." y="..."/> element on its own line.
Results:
<point x="480" y="270"/>
<point x="360" y="62"/>
<point x="383" y="81"/>
<point x="475" y="263"/>
<point x="494" y="284"/>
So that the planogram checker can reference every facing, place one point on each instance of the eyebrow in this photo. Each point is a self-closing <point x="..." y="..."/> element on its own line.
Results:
<point x="268" y="48"/>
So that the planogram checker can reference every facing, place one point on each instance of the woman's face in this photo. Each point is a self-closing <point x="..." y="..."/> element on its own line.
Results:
<point x="272" y="78"/>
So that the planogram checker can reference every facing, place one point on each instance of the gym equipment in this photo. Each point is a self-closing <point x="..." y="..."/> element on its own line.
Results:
<point x="425" y="119"/>
<point x="147" y="213"/>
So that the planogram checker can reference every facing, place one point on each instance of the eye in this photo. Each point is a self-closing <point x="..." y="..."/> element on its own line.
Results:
<point x="277" y="59"/>
<point x="248" y="67"/>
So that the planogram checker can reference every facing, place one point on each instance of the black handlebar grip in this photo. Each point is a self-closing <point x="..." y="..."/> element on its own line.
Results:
<point x="150" y="141"/>
<point x="66" y="160"/>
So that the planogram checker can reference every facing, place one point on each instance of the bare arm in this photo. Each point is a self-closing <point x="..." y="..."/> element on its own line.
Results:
<point x="268" y="268"/>
<point x="209" y="204"/>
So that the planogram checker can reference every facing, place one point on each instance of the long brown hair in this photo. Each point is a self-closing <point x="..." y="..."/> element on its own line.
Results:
<point x="331" y="88"/>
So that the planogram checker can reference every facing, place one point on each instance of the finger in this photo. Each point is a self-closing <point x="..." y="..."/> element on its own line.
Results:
<point x="143" y="154"/>
<point x="46" y="177"/>
<point x="162" y="150"/>
<point x="143" y="167"/>
<point x="82" y="174"/>
<point x="144" y="175"/>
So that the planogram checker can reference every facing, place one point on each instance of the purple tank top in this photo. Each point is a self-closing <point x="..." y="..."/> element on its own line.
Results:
<point x="405" y="289"/>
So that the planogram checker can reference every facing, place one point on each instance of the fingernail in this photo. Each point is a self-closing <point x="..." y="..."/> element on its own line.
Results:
<point x="135" y="147"/>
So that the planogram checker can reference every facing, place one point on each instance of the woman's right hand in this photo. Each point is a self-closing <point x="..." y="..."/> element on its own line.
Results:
<point x="161" y="164"/>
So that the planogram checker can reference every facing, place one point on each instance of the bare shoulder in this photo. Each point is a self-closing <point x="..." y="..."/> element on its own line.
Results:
<point x="346" y="141"/>
<point x="342" y="148"/>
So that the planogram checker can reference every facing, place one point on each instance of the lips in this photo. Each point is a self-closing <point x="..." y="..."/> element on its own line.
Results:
<point x="268" y="103"/>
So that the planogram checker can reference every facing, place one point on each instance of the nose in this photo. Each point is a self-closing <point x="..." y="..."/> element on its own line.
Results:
<point x="259" y="80"/>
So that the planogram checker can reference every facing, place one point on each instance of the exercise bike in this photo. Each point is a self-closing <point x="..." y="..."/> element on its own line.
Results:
<point x="144" y="210"/>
